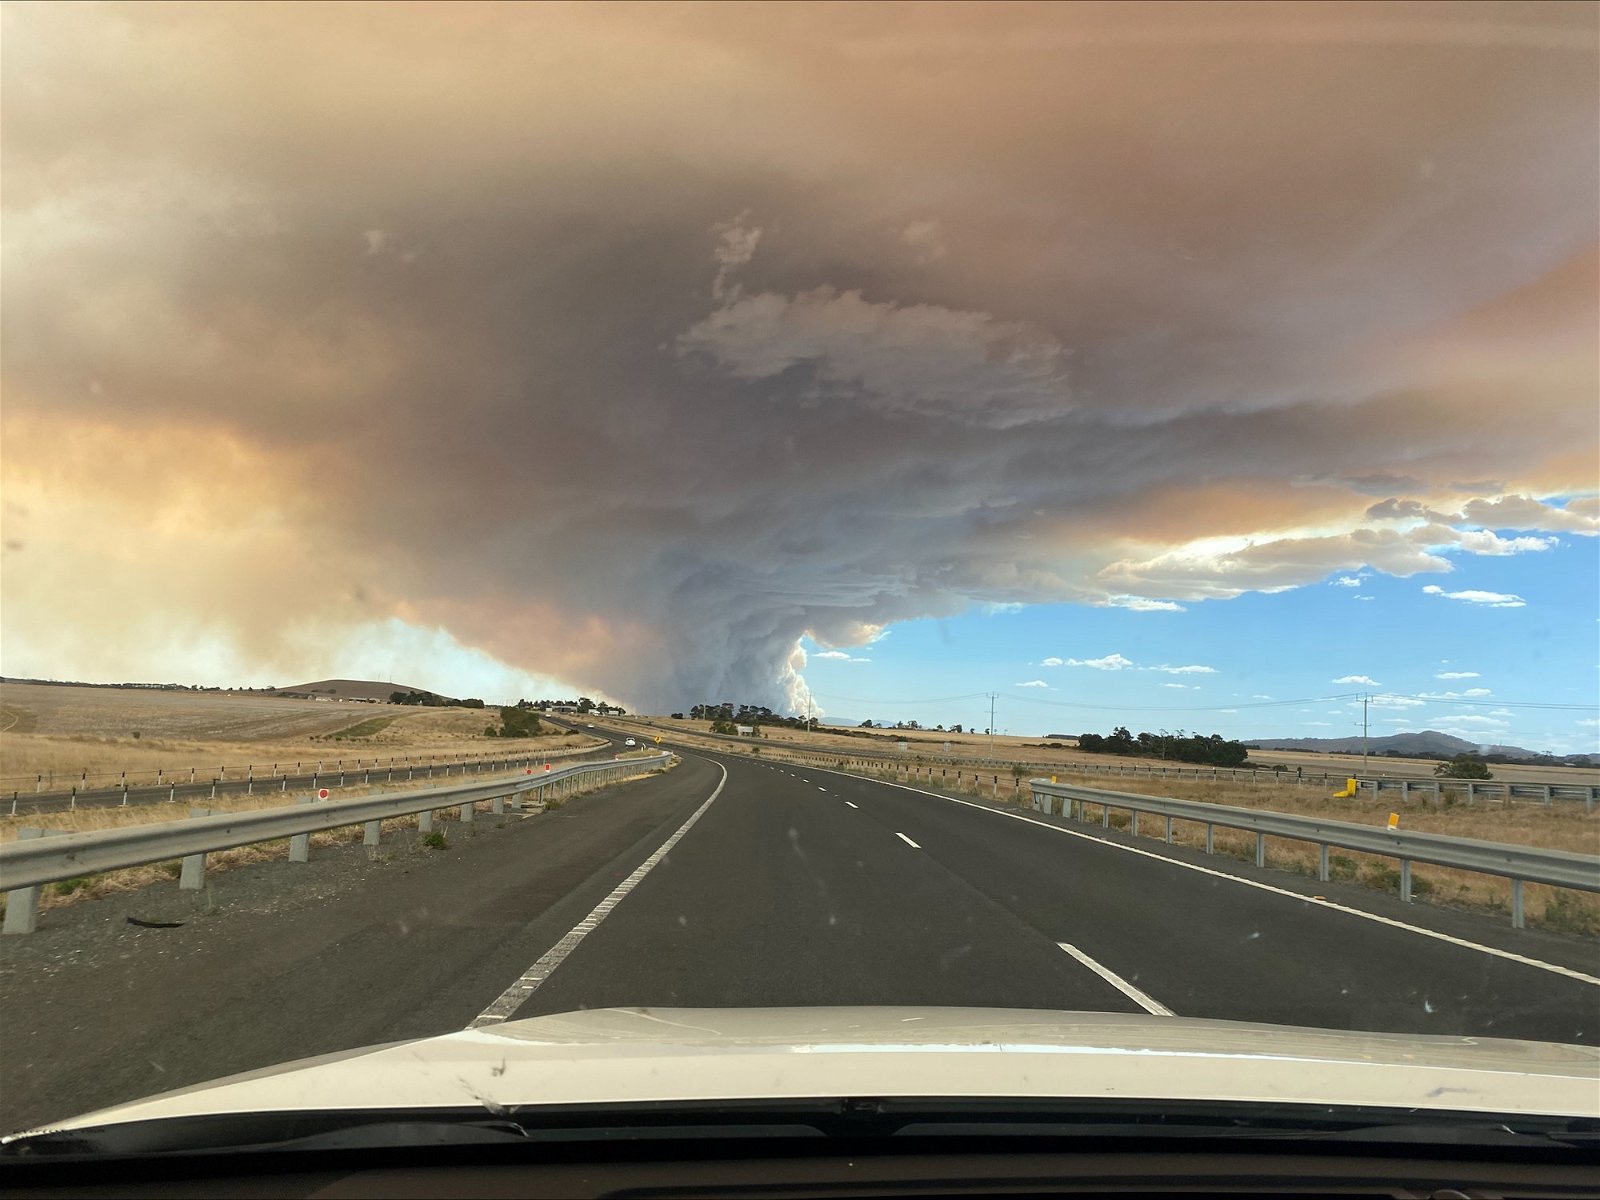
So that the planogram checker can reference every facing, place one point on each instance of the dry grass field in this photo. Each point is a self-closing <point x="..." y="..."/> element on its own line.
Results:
<point x="90" y="736"/>
<point x="1028" y="749"/>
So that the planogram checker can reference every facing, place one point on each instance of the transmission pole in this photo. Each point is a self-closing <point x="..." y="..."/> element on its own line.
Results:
<point x="1364" y="698"/>
<point x="993" y="696"/>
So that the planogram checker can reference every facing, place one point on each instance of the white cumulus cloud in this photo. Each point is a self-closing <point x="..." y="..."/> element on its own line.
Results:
<point x="1142" y="604"/>
<point x="1034" y="683"/>
<point x="1366" y="679"/>
<point x="1457" y="675"/>
<point x="1111" y="662"/>
<point x="1472" y="596"/>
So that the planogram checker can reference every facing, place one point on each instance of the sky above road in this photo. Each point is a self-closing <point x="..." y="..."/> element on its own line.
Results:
<point x="1137" y="363"/>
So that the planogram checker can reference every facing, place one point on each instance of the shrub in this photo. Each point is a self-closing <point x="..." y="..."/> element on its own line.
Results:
<point x="436" y="841"/>
<point x="1562" y="911"/>
<point x="1382" y="877"/>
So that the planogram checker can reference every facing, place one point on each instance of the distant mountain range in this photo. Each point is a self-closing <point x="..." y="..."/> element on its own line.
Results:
<point x="1430" y="743"/>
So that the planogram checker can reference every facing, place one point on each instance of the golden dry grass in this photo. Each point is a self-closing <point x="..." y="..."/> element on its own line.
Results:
<point x="85" y="737"/>
<point x="1028" y="749"/>
<point x="85" y="820"/>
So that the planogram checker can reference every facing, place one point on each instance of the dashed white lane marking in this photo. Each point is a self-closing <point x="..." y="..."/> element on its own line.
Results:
<point x="907" y="841"/>
<point x="1509" y="955"/>
<point x="852" y="805"/>
<point x="517" y="994"/>
<point x="1155" y="1007"/>
<point x="822" y="789"/>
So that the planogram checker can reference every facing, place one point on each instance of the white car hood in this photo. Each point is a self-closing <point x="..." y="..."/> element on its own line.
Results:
<point x="611" y="1056"/>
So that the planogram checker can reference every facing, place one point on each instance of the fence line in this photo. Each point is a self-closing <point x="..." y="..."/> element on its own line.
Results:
<point x="35" y="859"/>
<point x="1519" y="864"/>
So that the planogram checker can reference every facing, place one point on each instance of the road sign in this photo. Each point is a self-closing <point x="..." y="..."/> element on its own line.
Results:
<point x="322" y="793"/>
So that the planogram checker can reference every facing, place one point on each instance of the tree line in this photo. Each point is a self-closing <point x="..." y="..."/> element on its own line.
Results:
<point x="1210" y="750"/>
<point x="433" y="700"/>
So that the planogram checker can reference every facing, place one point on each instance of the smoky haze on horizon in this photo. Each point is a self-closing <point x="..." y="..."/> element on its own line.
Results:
<point x="626" y="345"/>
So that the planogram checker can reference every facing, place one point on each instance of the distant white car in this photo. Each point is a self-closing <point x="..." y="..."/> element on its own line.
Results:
<point x="630" y="742"/>
<point x="591" y="725"/>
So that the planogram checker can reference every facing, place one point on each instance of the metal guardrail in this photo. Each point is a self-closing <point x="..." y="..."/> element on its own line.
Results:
<point x="1519" y="864"/>
<point x="1432" y="786"/>
<point x="34" y="859"/>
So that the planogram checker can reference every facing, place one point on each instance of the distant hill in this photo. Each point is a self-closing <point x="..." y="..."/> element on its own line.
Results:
<point x="1429" y="743"/>
<point x="352" y="689"/>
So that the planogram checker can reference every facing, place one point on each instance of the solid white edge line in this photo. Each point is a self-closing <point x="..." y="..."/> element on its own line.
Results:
<point x="1332" y="905"/>
<point x="907" y="840"/>
<point x="528" y="982"/>
<point x="1143" y="1000"/>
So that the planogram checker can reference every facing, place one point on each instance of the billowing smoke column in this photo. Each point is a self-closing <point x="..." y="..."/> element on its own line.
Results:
<point x="628" y="350"/>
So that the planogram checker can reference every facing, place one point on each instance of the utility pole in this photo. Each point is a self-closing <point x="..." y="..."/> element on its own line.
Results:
<point x="1364" y="698"/>
<point x="993" y="696"/>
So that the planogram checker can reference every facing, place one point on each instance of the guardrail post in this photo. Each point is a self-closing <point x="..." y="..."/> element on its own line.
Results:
<point x="371" y="833"/>
<point x="1516" y="905"/>
<point x="466" y="813"/>
<point x="22" y="904"/>
<point x="300" y="843"/>
<point x="425" y="821"/>
<point x="1322" y="862"/>
<point x="1547" y="796"/>
<point x="1405" y="880"/>
<point x="1261" y="849"/>
<point x="1471" y="791"/>
<point x="1105" y="816"/>
<point x="1134" y="825"/>
<point x="1405" y="790"/>
<point x="192" y="876"/>
<point x="498" y="806"/>
<point x="1210" y="830"/>
<point x="1169" y="831"/>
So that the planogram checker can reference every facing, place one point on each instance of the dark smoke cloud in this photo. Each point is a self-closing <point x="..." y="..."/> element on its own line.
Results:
<point x="630" y="344"/>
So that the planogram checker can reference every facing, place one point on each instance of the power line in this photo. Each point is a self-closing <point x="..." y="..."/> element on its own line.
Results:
<point x="1185" y="707"/>
<point x="918" y="700"/>
<point x="1489" y="702"/>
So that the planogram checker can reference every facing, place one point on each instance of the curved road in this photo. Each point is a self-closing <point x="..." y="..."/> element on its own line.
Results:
<point x="785" y="886"/>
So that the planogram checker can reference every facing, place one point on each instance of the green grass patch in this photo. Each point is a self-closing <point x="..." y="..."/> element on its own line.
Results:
<point x="436" y="841"/>
<point x="367" y="728"/>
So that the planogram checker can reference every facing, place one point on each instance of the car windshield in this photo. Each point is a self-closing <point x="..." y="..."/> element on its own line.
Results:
<point x="867" y="514"/>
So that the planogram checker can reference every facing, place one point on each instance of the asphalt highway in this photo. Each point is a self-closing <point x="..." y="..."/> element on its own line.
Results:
<point x="784" y="886"/>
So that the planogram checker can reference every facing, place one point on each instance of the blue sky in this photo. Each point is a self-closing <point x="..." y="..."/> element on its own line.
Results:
<point x="1264" y="646"/>
<point x="781" y="343"/>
